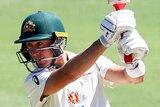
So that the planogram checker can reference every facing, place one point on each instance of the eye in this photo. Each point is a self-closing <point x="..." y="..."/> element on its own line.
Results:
<point x="40" y="44"/>
<point x="29" y="45"/>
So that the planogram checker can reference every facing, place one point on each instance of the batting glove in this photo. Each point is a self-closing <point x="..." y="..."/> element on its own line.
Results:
<point x="114" y="24"/>
<point x="133" y="43"/>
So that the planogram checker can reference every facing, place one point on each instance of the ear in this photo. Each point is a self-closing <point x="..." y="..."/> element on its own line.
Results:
<point x="25" y="54"/>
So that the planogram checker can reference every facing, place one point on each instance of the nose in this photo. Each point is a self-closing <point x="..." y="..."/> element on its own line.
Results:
<point x="34" y="52"/>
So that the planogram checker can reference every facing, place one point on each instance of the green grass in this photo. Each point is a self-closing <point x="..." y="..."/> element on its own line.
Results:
<point x="81" y="19"/>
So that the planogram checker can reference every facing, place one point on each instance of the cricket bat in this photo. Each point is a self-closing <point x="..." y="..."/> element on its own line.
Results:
<point x="120" y="5"/>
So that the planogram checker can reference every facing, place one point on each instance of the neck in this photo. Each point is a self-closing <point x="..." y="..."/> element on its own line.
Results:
<point x="61" y="60"/>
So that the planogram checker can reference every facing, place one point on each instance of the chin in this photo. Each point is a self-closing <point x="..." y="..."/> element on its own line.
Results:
<point x="43" y="64"/>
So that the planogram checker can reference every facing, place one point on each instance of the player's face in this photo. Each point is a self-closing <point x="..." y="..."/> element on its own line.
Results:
<point x="36" y="52"/>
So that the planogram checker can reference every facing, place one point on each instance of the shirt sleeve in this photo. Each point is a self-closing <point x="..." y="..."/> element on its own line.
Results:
<point x="104" y="64"/>
<point x="35" y="84"/>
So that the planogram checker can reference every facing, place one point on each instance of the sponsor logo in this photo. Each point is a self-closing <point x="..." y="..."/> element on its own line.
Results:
<point x="35" y="79"/>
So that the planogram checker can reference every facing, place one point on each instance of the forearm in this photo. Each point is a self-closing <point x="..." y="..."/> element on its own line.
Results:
<point x="118" y="75"/>
<point x="83" y="61"/>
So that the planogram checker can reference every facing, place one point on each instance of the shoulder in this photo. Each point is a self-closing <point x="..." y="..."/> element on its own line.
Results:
<point x="70" y="54"/>
<point x="35" y="84"/>
<point x="36" y="79"/>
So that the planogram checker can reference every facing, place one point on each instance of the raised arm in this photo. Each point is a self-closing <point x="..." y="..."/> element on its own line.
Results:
<point x="111" y="26"/>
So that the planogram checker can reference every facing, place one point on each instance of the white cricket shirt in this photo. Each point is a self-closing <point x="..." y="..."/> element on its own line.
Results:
<point x="87" y="91"/>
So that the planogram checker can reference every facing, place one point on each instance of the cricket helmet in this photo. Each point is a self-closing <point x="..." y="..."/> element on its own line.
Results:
<point x="41" y="26"/>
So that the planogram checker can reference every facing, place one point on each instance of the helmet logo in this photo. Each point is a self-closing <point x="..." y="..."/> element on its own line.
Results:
<point x="29" y="26"/>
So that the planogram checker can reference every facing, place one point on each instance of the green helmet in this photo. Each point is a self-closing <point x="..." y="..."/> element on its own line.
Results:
<point x="39" y="26"/>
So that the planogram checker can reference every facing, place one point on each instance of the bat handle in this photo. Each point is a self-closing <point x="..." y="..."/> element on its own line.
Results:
<point x="127" y="58"/>
<point x="119" y="6"/>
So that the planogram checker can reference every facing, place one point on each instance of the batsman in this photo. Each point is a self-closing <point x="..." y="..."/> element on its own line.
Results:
<point x="61" y="78"/>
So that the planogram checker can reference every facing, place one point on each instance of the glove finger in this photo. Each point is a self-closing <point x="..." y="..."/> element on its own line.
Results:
<point x="108" y="23"/>
<point x="136" y="45"/>
<point x="115" y="37"/>
<point x="135" y="50"/>
<point x="125" y="20"/>
<point x="127" y="44"/>
<point x="121" y="55"/>
<point x="140" y="55"/>
<point x="126" y="23"/>
<point x="125" y="40"/>
<point x="121" y="13"/>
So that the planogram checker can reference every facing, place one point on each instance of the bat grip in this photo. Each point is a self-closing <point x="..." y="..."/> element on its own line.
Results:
<point x="128" y="59"/>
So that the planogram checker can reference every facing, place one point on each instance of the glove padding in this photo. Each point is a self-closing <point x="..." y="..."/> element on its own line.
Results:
<point x="132" y="43"/>
<point x="138" y="71"/>
<point x="114" y="24"/>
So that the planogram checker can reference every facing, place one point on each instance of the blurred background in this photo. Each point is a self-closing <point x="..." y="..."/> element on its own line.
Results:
<point x="81" y="19"/>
